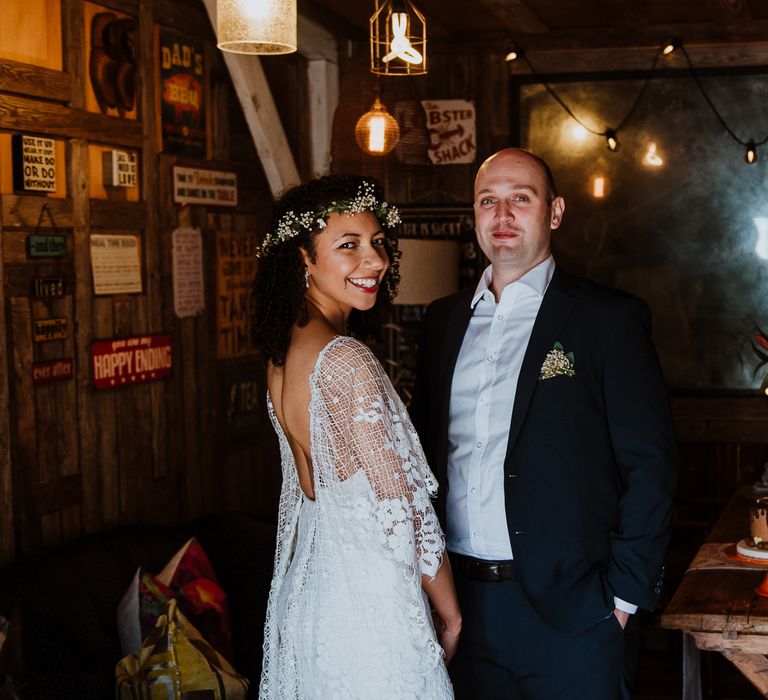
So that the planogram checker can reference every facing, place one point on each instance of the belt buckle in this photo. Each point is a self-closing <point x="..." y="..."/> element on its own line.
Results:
<point x="494" y="571"/>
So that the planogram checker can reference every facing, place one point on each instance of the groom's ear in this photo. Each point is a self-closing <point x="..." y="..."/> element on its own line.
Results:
<point x="557" y="209"/>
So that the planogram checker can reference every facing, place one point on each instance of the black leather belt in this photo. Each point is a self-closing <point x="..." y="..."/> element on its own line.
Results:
<point x="483" y="570"/>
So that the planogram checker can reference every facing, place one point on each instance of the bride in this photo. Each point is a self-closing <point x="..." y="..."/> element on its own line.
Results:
<point x="360" y="554"/>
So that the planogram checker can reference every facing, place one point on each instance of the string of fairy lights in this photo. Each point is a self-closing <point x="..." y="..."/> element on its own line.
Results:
<point x="611" y="134"/>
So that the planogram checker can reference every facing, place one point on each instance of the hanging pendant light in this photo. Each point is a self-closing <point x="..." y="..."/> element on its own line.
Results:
<point x="256" y="26"/>
<point x="377" y="132"/>
<point x="398" y="39"/>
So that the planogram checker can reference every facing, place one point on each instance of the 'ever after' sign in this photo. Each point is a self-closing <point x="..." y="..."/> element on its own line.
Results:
<point x="125" y="361"/>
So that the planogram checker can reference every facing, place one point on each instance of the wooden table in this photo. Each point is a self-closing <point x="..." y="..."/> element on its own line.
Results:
<point x="720" y="611"/>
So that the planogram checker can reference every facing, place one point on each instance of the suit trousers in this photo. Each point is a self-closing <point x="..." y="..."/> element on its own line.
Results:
<point x="507" y="652"/>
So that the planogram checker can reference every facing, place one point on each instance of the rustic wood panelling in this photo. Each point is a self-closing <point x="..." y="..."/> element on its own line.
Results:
<point x="23" y="211"/>
<point x="713" y="420"/>
<point x="30" y="115"/>
<point x="24" y="454"/>
<point x="7" y="530"/>
<point x="113" y="215"/>
<point x="34" y="81"/>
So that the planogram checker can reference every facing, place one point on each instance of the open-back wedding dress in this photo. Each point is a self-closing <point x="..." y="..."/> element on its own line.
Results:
<point x="347" y="617"/>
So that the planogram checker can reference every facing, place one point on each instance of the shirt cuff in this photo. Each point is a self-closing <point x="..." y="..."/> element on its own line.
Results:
<point x="624" y="606"/>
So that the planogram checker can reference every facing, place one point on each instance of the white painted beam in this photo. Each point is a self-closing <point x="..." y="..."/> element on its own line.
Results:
<point x="261" y="115"/>
<point x="320" y="47"/>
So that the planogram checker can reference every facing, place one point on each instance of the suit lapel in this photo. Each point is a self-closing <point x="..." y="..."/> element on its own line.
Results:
<point x="555" y="309"/>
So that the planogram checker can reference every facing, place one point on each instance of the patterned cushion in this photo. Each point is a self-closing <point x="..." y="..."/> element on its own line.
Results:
<point x="175" y="661"/>
<point x="190" y="579"/>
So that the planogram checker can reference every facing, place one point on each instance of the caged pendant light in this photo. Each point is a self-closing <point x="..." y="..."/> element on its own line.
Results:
<point x="256" y="26"/>
<point x="398" y="39"/>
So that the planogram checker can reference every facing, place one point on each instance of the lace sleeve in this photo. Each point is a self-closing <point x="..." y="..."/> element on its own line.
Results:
<point x="369" y="430"/>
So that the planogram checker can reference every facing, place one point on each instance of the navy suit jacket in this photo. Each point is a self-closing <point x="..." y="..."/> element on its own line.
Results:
<point x="591" y="460"/>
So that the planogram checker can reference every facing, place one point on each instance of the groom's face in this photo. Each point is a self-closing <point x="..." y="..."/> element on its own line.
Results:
<point x="514" y="211"/>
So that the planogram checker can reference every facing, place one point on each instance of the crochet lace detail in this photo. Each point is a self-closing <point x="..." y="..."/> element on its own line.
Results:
<point x="346" y="616"/>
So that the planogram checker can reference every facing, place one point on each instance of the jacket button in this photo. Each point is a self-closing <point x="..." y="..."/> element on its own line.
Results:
<point x="519" y="532"/>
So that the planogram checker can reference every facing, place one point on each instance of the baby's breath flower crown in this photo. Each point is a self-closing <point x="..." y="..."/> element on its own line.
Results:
<point x="291" y="223"/>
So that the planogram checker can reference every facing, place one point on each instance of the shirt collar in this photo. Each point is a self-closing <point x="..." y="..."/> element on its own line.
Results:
<point x="537" y="279"/>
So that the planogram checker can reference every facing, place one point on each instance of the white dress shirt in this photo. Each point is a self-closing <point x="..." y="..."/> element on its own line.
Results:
<point x="482" y="396"/>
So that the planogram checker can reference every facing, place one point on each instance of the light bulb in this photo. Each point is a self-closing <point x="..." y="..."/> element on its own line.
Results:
<point x="400" y="46"/>
<point x="652" y="158"/>
<point x="671" y="46"/>
<point x="750" y="156"/>
<point x="598" y="187"/>
<point x="612" y="140"/>
<point x="376" y="134"/>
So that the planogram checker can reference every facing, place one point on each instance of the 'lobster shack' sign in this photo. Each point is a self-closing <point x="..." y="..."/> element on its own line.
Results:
<point x="451" y="129"/>
<point x="124" y="361"/>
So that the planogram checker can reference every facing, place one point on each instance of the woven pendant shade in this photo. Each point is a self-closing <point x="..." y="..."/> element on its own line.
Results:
<point x="377" y="132"/>
<point x="256" y="26"/>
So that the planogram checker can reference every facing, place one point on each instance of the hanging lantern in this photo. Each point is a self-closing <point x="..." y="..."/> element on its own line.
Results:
<point x="377" y="132"/>
<point x="256" y="26"/>
<point x="398" y="39"/>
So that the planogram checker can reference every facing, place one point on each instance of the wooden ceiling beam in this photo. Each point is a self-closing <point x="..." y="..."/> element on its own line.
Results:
<point x="729" y="11"/>
<point x="624" y="12"/>
<point x="648" y="35"/>
<point x="603" y="60"/>
<point x="515" y="16"/>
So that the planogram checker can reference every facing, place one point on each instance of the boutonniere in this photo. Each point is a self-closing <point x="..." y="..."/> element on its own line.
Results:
<point x="557" y="362"/>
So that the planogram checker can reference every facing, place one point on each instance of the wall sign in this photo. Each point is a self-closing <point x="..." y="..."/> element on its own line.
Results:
<point x="47" y="287"/>
<point x="53" y="371"/>
<point x="119" y="168"/>
<point x="243" y="403"/>
<point x="182" y="100"/>
<point x="115" y="264"/>
<point x="197" y="186"/>
<point x="34" y="164"/>
<point x="235" y="269"/>
<point x="49" y="329"/>
<point x="46" y="246"/>
<point x="451" y="129"/>
<point x="125" y="361"/>
<point x="188" y="296"/>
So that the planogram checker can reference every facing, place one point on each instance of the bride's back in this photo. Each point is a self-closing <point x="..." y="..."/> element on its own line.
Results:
<point x="290" y="392"/>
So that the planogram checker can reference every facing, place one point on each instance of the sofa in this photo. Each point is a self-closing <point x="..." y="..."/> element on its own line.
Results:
<point x="61" y="604"/>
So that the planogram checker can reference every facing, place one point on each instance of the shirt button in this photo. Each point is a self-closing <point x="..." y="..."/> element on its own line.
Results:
<point x="489" y="358"/>
<point x="500" y="317"/>
<point x="472" y="490"/>
<point x="474" y="534"/>
<point x="478" y="444"/>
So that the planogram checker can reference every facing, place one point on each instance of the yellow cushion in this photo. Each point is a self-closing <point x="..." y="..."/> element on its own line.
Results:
<point x="175" y="660"/>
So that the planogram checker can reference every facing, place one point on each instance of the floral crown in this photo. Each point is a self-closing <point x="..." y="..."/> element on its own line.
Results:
<point x="291" y="223"/>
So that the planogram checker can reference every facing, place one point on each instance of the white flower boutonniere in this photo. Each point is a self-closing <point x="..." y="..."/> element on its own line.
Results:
<point x="556" y="363"/>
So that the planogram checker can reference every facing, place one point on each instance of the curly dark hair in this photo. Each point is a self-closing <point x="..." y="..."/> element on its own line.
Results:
<point x="279" y="286"/>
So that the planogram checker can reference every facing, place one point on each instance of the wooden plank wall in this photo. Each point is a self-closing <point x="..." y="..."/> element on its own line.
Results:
<point x="73" y="459"/>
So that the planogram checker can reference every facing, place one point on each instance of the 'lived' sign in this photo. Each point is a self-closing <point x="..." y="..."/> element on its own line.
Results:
<point x="125" y="361"/>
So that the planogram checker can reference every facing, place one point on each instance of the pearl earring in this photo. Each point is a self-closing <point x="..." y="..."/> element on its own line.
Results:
<point x="306" y="278"/>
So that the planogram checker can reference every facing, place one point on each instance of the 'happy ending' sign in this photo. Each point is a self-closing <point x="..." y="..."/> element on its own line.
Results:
<point x="124" y="361"/>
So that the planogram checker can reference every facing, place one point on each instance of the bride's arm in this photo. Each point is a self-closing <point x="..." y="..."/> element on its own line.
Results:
<point x="447" y="617"/>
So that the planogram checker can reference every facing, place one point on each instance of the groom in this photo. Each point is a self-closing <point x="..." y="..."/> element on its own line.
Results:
<point x="542" y="409"/>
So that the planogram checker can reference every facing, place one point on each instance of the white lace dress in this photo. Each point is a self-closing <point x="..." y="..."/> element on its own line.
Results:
<point x="347" y="617"/>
